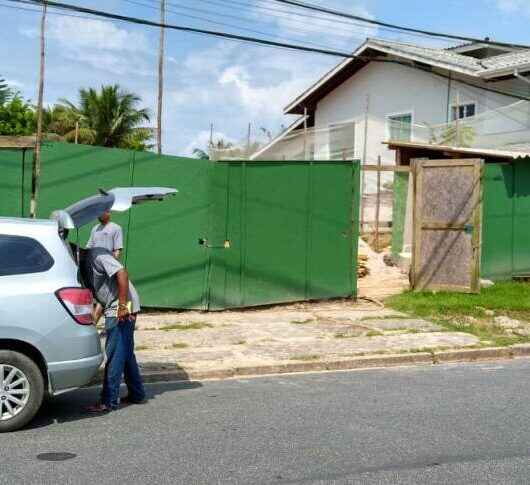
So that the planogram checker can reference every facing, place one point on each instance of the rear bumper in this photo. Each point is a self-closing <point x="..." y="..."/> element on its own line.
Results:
<point x="71" y="374"/>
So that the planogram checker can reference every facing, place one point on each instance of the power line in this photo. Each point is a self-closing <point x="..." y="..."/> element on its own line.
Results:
<point x="254" y="40"/>
<point x="224" y="24"/>
<point x="223" y="35"/>
<point x="343" y="32"/>
<point x="291" y="13"/>
<point x="317" y="8"/>
<point x="39" y="11"/>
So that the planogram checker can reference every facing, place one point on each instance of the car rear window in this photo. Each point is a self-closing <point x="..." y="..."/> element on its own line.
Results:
<point x="22" y="255"/>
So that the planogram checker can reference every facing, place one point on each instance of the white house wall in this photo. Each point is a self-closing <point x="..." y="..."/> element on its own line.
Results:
<point x="393" y="89"/>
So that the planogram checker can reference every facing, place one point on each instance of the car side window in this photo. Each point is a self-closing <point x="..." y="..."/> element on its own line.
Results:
<point x="22" y="255"/>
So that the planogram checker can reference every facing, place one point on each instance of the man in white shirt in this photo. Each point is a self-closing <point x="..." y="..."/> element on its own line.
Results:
<point x="107" y="235"/>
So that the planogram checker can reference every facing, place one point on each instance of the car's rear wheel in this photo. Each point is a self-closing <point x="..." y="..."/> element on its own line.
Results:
<point x="21" y="390"/>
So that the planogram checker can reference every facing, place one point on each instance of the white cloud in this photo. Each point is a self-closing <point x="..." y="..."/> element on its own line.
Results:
<point x="262" y="101"/>
<point x="514" y="6"/>
<point x="317" y="29"/>
<point x="100" y="44"/>
<point x="202" y="139"/>
<point x="95" y="34"/>
<point x="13" y="83"/>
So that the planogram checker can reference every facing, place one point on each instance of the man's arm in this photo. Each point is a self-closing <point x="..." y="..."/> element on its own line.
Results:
<point x="90" y="242"/>
<point x="118" y="242"/>
<point x="122" y="278"/>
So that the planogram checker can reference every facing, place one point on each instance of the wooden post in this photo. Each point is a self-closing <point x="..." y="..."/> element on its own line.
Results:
<point x="248" y="140"/>
<point x="35" y="176"/>
<point x="76" y="132"/>
<point x="305" y="133"/>
<point x="378" y="203"/>
<point x="364" y="161"/>
<point x="457" y="118"/>
<point x="210" y="144"/>
<point x="160" y="77"/>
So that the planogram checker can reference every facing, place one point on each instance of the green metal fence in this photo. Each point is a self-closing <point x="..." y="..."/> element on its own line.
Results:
<point x="270" y="231"/>
<point x="506" y="221"/>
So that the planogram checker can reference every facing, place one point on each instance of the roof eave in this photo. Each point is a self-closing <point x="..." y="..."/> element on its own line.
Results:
<point x="369" y="44"/>
<point x="505" y="71"/>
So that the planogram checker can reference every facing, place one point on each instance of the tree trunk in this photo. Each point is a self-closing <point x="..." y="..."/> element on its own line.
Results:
<point x="35" y="176"/>
<point x="160" y="77"/>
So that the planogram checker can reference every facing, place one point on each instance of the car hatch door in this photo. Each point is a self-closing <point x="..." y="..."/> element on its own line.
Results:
<point x="119" y="199"/>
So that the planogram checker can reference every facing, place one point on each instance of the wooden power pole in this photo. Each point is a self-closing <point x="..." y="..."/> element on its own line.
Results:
<point x="160" y="77"/>
<point x="35" y="176"/>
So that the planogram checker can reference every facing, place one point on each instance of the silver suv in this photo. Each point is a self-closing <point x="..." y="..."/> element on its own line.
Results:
<point x="48" y="342"/>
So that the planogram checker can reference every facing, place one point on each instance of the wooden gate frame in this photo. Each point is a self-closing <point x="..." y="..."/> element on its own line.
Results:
<point x="417" y="226"/>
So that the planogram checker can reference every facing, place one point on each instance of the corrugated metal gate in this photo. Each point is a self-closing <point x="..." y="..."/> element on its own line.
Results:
<point x="506" y="233"/>
<point x="271" y="232"/>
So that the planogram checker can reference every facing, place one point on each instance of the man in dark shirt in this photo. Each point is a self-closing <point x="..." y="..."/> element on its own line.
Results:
<point x="109" y="282"/>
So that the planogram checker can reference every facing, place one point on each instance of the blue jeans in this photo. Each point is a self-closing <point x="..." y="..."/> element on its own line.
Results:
<point x="121" y="360"/>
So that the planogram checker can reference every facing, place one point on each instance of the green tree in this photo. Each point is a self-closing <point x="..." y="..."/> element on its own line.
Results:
<point x="17" y="117"/>
<point x="109" y="117"/>
<point x="5" y="92"/>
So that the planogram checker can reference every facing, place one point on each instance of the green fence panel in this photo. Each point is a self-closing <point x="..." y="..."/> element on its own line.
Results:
<point x="330" y="267"/>
<point x="281" y="232"/>
<point x="521" y="219"/>
<point x="272" y="231"/>
<point x="497" y="220"/>
<point x="163" y="254"/>
<point x="12" y="175"/>
<point x="399" y="209"/>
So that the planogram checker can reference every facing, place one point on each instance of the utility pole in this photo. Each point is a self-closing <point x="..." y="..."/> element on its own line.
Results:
<point x="160" y="77"/>
<point x="35" y="176"/>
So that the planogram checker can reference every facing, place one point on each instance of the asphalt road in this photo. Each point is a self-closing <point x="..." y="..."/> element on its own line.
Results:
<point x="436" y="424"/>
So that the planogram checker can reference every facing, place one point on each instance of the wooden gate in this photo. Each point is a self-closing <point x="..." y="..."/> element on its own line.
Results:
<point x="447" y="225"/>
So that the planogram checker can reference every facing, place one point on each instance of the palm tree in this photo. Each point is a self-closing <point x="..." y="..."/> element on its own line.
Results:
<point x="5" y="91"/>
<point x="220" y="144"/>
<point x="109" y="118"/>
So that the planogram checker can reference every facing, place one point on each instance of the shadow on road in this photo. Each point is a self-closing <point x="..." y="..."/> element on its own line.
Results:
<point x="71" y="406"/>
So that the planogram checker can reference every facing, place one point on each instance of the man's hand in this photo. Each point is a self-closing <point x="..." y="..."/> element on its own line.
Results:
<point x="123" y="292"/>
<point x="123" y="312"/>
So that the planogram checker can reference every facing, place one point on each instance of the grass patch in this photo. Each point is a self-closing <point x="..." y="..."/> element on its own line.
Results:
<point x="302" y="322"/>
<point x="139" y="348"/>
<point x="373" y="333"/>
<point x="452" y="310"/>
<point x="508" y="298"/>
<point x="241" y="342"/>
<point x="185" y="326"/>
<point x="180" y="345"/>
<point x="305" y="357"/>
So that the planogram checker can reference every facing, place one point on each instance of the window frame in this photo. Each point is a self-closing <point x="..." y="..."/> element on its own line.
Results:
<point x="45" y="265"/>
<point x="465" y="104"/>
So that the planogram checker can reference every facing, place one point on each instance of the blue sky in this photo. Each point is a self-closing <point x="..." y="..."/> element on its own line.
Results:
<point x="208" y="80"/>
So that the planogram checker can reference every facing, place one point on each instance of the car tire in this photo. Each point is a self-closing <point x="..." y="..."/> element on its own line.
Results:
<point x="30" y="391"/>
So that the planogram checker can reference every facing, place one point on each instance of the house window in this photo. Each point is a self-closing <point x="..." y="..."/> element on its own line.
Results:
<point x="462" y="111"/>
<point x="400" y="127"/>
<point x="341" y="141"/>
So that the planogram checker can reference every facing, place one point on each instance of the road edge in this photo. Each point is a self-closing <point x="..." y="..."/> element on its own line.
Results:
<point x="151" y="375"/>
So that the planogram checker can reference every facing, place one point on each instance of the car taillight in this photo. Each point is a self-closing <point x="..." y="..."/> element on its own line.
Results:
<point x="78" y="303"/>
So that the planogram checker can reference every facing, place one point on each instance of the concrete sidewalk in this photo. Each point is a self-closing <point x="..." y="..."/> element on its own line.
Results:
<point x="306" y="334"/>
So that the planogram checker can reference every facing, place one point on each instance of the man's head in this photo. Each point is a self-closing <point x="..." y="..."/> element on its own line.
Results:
<point x="104" y="218"/>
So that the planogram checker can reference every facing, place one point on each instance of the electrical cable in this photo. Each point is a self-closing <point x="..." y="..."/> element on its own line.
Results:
<point x="290" y="14"/>
<point x="133" y="2"/>
<point x="318" y="8"/>
<point x="265" y="42"/>
<point x="182" y="28"/>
